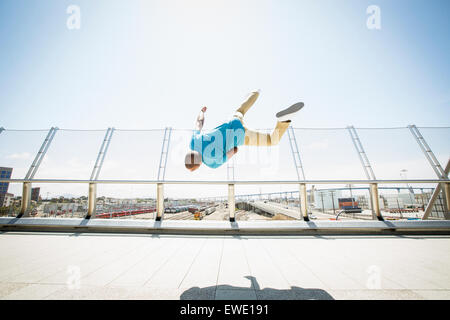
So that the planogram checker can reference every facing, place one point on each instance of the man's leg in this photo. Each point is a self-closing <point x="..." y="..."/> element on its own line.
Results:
<point x="256" y="138"/>
<point x="248" y="102"/>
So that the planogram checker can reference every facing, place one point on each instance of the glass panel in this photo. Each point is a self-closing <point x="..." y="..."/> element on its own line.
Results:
<point x="71" y="155"/>
<point x="407" y="201"/>
<point x="438" y="140"/>
<point x="133" y="155"/>
<point x="394" y="154"/>
<point x="126" y="201"/>
<point x="328" y="154"/>
<point x="18" y="148"/>
<point x="199" y="202"/>
<point x="58" y="200"/>
<point x="340" y="203"/>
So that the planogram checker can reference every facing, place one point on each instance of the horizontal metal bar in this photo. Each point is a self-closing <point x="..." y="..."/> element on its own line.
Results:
<point x="250" y="182"/>
<point x="187" y="129"/>
<point x="297" y="227"/>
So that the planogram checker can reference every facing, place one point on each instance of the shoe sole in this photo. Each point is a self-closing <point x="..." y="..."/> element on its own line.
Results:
<point x="292" y="109"/>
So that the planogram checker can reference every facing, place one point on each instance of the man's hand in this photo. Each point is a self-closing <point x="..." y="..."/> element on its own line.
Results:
<point x="200" y="119"/>
<point x="232" y="152"/>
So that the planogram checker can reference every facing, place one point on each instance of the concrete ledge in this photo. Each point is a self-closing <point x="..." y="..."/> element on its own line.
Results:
<point x="225" y="227"/>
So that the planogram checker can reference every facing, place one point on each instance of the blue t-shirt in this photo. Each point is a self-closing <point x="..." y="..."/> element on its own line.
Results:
<point x="214" y="145"/>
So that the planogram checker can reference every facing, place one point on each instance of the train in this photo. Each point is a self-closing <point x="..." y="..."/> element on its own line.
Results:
<point x="349" y="205"/>
<point x="205" y="210"/>
<point x="210" y="210"/>
<point x="176" y="209"/>
<point x="116" y="214"/>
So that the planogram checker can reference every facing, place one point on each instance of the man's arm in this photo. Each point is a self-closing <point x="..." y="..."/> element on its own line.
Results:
<point x="200" y="120"/>
<point x="232" y="152"/>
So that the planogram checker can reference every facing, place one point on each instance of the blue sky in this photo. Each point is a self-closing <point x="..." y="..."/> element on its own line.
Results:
<point x="151" y="64"/>
<point x="133" y="58"/>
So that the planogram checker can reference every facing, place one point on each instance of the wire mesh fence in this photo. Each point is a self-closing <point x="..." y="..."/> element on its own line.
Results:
<point x="326" y="153"/>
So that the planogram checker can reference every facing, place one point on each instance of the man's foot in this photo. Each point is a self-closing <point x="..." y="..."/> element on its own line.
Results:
<point x="286" y="114"/>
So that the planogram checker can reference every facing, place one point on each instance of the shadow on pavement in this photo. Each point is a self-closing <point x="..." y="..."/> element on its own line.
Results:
<point x="226" y="292"/>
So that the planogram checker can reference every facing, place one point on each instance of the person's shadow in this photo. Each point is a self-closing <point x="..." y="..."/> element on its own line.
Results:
<point x="226" y="292"/>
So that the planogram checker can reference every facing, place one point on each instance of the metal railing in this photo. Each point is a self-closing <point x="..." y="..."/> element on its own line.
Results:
<point x="442" y="180"/>
<point x="92" y="200"/>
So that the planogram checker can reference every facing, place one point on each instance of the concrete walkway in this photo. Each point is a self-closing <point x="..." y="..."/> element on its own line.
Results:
<point x="112" y="266"/>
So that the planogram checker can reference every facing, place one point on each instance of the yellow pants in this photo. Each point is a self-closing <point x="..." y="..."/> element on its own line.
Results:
<point x="256" y="138"/>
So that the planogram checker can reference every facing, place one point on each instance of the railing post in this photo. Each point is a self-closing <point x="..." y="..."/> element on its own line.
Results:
<point x="159" y="201"/>
<point x="435" y="195"/>
<point x="92" y="200"/>
<point x="102" y="153"/>
<point x="41" y="153"/>
<point x="26" y="200"/>
<point x="303" y="201"/>
<point x="375" y="201"/>
<point x="447" y="197"/>
<point x="231" y="202"/>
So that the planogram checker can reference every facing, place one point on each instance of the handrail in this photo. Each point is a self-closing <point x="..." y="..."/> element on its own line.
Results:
<point x="378" y="181"/>
<point x="92" y="198"/>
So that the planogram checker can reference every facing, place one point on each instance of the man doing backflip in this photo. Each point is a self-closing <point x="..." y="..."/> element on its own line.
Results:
<point x="215" y="147"/>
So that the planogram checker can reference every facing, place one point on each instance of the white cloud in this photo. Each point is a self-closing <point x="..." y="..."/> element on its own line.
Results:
<point x="20" y="156"/>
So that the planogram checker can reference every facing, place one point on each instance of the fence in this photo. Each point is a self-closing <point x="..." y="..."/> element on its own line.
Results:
<point x="320" y="153"/>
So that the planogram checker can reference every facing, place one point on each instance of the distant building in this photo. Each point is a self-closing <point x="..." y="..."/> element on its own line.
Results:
<point x="326" y="198"/>
<point x="5" y="173"/>
<point x="8" y="200"/>
<point x="62" y="207"/>
<point x="35" y="194"/>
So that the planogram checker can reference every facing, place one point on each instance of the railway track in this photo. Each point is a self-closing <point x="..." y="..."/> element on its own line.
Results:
<point x="186" y="215"/>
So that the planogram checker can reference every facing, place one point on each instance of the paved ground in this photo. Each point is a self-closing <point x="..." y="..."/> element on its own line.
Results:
<point x="92" y="266"/>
